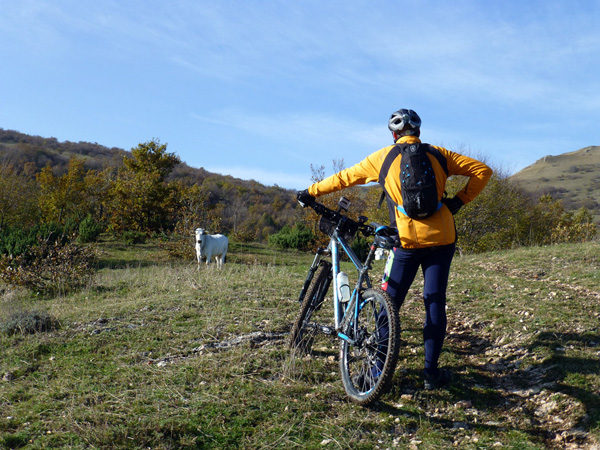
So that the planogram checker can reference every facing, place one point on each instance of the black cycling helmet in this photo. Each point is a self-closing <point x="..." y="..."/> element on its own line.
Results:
<point x="405" y="122"/>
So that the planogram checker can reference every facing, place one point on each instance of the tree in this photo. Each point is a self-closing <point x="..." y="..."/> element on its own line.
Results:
<point x="62" y="197"/>
<point x="151" y="157"/>
<point x="140" y="198"/>
<point x="97" y="189"/>
<point x="18" y="198"/>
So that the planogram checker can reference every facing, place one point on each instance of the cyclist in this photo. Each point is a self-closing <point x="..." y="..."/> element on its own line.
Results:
<point x="427" y="243"/>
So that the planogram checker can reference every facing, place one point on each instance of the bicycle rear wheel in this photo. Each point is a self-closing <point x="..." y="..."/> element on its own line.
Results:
<point x="367" y="366"/>
<point x="305" y="328"/>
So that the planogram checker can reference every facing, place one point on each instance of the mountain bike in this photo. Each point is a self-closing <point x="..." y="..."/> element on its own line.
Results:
<point x="364" y="321"/>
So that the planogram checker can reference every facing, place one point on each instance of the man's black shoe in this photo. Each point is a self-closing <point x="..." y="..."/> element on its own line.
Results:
<point x="442" y="379"/>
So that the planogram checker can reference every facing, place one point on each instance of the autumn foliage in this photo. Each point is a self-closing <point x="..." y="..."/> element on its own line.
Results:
<point x="150" y="192"/>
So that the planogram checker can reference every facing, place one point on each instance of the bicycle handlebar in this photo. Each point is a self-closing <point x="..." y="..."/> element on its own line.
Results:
<point x="370" y="229"/>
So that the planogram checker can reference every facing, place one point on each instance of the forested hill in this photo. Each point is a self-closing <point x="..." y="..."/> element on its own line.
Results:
<point x="148" y="190"/>
<point x="242" y="204"/>
<point x="19" y="149"/>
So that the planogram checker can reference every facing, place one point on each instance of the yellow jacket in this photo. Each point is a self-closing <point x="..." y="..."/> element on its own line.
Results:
<point x="436" y="230"/>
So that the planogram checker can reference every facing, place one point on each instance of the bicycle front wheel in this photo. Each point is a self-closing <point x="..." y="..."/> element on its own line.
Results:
<point x="306" y="328"/>
<point x="367" y="364"/>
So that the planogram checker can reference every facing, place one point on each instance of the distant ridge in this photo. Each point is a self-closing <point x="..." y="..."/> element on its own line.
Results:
<point x="18" y="149"/>
<point x="572" y="177"/>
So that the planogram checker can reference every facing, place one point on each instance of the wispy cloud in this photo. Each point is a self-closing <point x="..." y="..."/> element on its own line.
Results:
<point x="311" y="131"/>
<point x="307" y="82"/>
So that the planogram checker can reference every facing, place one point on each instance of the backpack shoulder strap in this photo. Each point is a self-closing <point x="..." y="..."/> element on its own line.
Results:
<point x="385" y="168"/>
<point x="440" y="158"/>
<point x="387" y="162"/>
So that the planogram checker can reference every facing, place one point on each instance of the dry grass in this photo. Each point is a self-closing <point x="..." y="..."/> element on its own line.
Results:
<point x="154" y="354"/>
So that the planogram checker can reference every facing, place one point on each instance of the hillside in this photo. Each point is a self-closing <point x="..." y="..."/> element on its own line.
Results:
<point x="572" y="177"/>
<point x="18" y="149"/>
<point x="242" y="204"/>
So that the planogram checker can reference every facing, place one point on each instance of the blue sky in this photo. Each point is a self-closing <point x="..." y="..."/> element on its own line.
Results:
<point x="263" y="89"/>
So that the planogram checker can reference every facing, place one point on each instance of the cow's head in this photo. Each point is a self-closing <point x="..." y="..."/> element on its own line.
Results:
<point x="199" y="233"/>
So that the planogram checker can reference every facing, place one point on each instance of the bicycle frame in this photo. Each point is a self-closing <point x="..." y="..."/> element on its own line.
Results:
<point x="343" y="313"/>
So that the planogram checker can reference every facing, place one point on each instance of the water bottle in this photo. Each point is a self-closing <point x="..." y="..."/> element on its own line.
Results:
<point x="343" y="287"/>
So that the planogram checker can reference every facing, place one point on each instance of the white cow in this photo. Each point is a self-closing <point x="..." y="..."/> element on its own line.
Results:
<point x="209" y="245"/>
<point x="380" y="253"/>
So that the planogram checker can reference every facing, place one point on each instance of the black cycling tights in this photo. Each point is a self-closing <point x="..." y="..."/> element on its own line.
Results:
<point x="435" y="263"/>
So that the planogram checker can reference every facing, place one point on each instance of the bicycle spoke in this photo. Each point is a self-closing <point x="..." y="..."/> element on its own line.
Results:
<point x="306" y="327"/>
<point x="367" y="367"/>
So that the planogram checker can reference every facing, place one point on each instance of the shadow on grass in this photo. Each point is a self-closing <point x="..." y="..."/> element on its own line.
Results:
<point x="553" y="401"/>
<point x="116" y="263"/>
<point x="567" y="374"/>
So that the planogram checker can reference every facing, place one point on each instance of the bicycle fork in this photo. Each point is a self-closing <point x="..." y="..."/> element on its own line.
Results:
<point x="311" y="272"/>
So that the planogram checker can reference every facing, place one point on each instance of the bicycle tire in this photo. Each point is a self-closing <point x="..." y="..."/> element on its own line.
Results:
<point x="302" y="335"/>
<point x="368" y="366"/>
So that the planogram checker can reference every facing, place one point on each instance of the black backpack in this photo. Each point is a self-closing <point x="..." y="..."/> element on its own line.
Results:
<point x="417" y="180"/>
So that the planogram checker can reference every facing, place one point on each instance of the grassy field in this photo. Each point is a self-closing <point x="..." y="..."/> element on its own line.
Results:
<point x="155" y="354"/>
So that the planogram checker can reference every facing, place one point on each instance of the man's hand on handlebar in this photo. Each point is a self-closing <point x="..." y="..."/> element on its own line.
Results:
<point x="304" y="198"/>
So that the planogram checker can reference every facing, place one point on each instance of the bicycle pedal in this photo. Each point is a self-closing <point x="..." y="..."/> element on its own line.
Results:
<point x="327" y="330"/>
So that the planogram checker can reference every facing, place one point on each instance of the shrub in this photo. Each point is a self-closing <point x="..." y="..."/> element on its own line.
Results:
<point x="361" y="246"/>
<point x="575" y="227"/>
<point x="244" y="234"/>
<point x="18" y="241"/>
<point x="28" y="322"/>
<point x="49" y="268"/>
<point x="132" y="237"/>
<point x="89" y="230"/>
<point x="179" y="246"/>
<point x="504" y="216"/>
<point x="298" y="237"/>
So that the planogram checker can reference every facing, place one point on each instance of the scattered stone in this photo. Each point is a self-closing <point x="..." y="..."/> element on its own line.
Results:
<point x="257" y="337"/>
<point x="460" y="425"/>
<point x="463" y="404"/>
<point x="546" y="408"/>
<point x="8" y="376"/>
